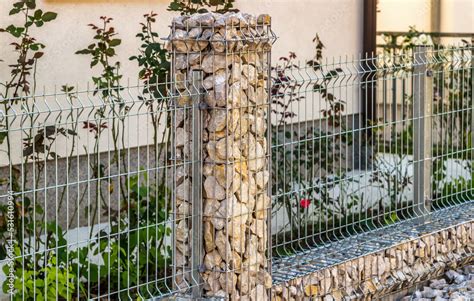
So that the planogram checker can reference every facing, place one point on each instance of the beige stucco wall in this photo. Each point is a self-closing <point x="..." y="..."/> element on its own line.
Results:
<point x="339" y="24"/>
<point x="398" y="15"/>
<point x="457" y="16"/>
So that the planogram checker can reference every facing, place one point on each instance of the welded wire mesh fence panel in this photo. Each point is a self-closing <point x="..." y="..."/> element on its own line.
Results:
<point x="338" y="171"/>
<point x="86" y="193"/>
<point x="147" y="191"/>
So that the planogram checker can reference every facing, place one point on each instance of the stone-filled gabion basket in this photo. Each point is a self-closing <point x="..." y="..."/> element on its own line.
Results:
<point x="221" y="64"/>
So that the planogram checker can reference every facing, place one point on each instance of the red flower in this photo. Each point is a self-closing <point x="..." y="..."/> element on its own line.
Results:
<point x="304" y="203"/>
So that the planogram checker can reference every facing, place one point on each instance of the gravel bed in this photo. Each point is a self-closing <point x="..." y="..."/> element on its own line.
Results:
<point x="456" y="285"/>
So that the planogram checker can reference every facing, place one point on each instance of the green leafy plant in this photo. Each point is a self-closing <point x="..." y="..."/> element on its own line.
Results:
<point x="187" y="7"/>
<point x="28" y="48"/>
<point x="50" y="282"/>
<point x="129" y="259"/>
<point x="19" y="89"/>
<point x="153" y="61"/>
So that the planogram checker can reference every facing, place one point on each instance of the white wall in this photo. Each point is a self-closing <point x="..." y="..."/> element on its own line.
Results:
<point x="339" y="24"/>
<point x="457" y="16"/>
<point x="398" y="15"/>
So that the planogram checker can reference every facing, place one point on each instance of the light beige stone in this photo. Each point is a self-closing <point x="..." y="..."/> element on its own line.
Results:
<point x="236" y="262"/>
<point x="216" y="79"/>
<point x="217" y="96"/>
<point x="263" y="277"/>
<point x="209" y="243"/>
<point x="261" y="178"/>
<point x="224" y="149"/>
<point x="217" y="42"/>
<point x="256" y="155"/>
<point x="250" y="72"/>
<point x="263" y="244"/>
<point x="179" y="40"/>
<point x="236" y="96"/>
<point x="212" y="259"/>
<point x="181" y="137"/>
<point x="211" y="151"/>
<point x="180" y="259"/>
<point x="238" y="243"/>
<point x="217" y="120"/>
<point x="210" y="207"/>
<point x="182" y="231"/>
<point x="258" y="293"/>
<point x="262" y="205"/>
<point x="311" y="290"/>
<point x="183" y="191"/>
<point x="246" y="281"/>
<point x="223" y="245"/>
<point x="258" y="125"/>
<point x="244" y="194"/>
<point x="232" y="208"/>
<point x="213" y="281"/>
<point x="213" y="190"/>
<point x="228" y="281"/>
<point x="211" y="63"/>
<point x="184" y="248"/>
<point x="184" y="209"/>
<point x="194" y="32"/>
<point x="204" y="19"/>
<point x="259" y="227"/>
<point x="251" y="250"/>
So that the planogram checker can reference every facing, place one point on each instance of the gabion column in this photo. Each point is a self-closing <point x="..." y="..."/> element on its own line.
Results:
<point x="232" y="53"/>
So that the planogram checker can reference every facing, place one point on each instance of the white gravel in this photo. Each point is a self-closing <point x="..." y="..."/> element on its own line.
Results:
<point x="456" y="285"/>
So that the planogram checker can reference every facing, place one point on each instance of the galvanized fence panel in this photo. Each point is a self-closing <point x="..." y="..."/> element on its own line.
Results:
<point x="338" y="173"/>
<point x="150" y="191"/>
<point x="88" y="188"/>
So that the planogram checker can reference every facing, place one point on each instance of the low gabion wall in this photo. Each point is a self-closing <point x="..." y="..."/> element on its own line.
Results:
<point x="381" y="273"/>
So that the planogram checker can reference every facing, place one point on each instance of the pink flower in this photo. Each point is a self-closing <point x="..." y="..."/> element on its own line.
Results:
<point x="304" y="203"/>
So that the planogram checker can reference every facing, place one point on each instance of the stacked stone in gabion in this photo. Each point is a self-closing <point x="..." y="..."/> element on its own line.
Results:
<point x="375" y="275"/>
<point x="232" y="52"/>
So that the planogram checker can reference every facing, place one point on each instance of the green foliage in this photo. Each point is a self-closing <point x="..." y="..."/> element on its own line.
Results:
<point x="153" y="60"/>
<point x="50" y="281"/>
<point x="101" y="51"/>
<point x="135" y="238"/>
<point x="27" y="47"/>
<point x="188" y="7"/>
<point x="141" y="252"/>
<point x="407" y="41"/>
<point x="28" y="52"/>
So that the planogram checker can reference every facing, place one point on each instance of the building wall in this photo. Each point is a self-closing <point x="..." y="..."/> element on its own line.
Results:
<point x="295" y="21"/>
<point x="398" y="15"/>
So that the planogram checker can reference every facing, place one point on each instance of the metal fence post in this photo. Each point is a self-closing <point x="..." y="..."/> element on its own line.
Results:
<point x="472" y="100"/>
<point x="196" y="245"/>
<point x="422" y="140"/>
